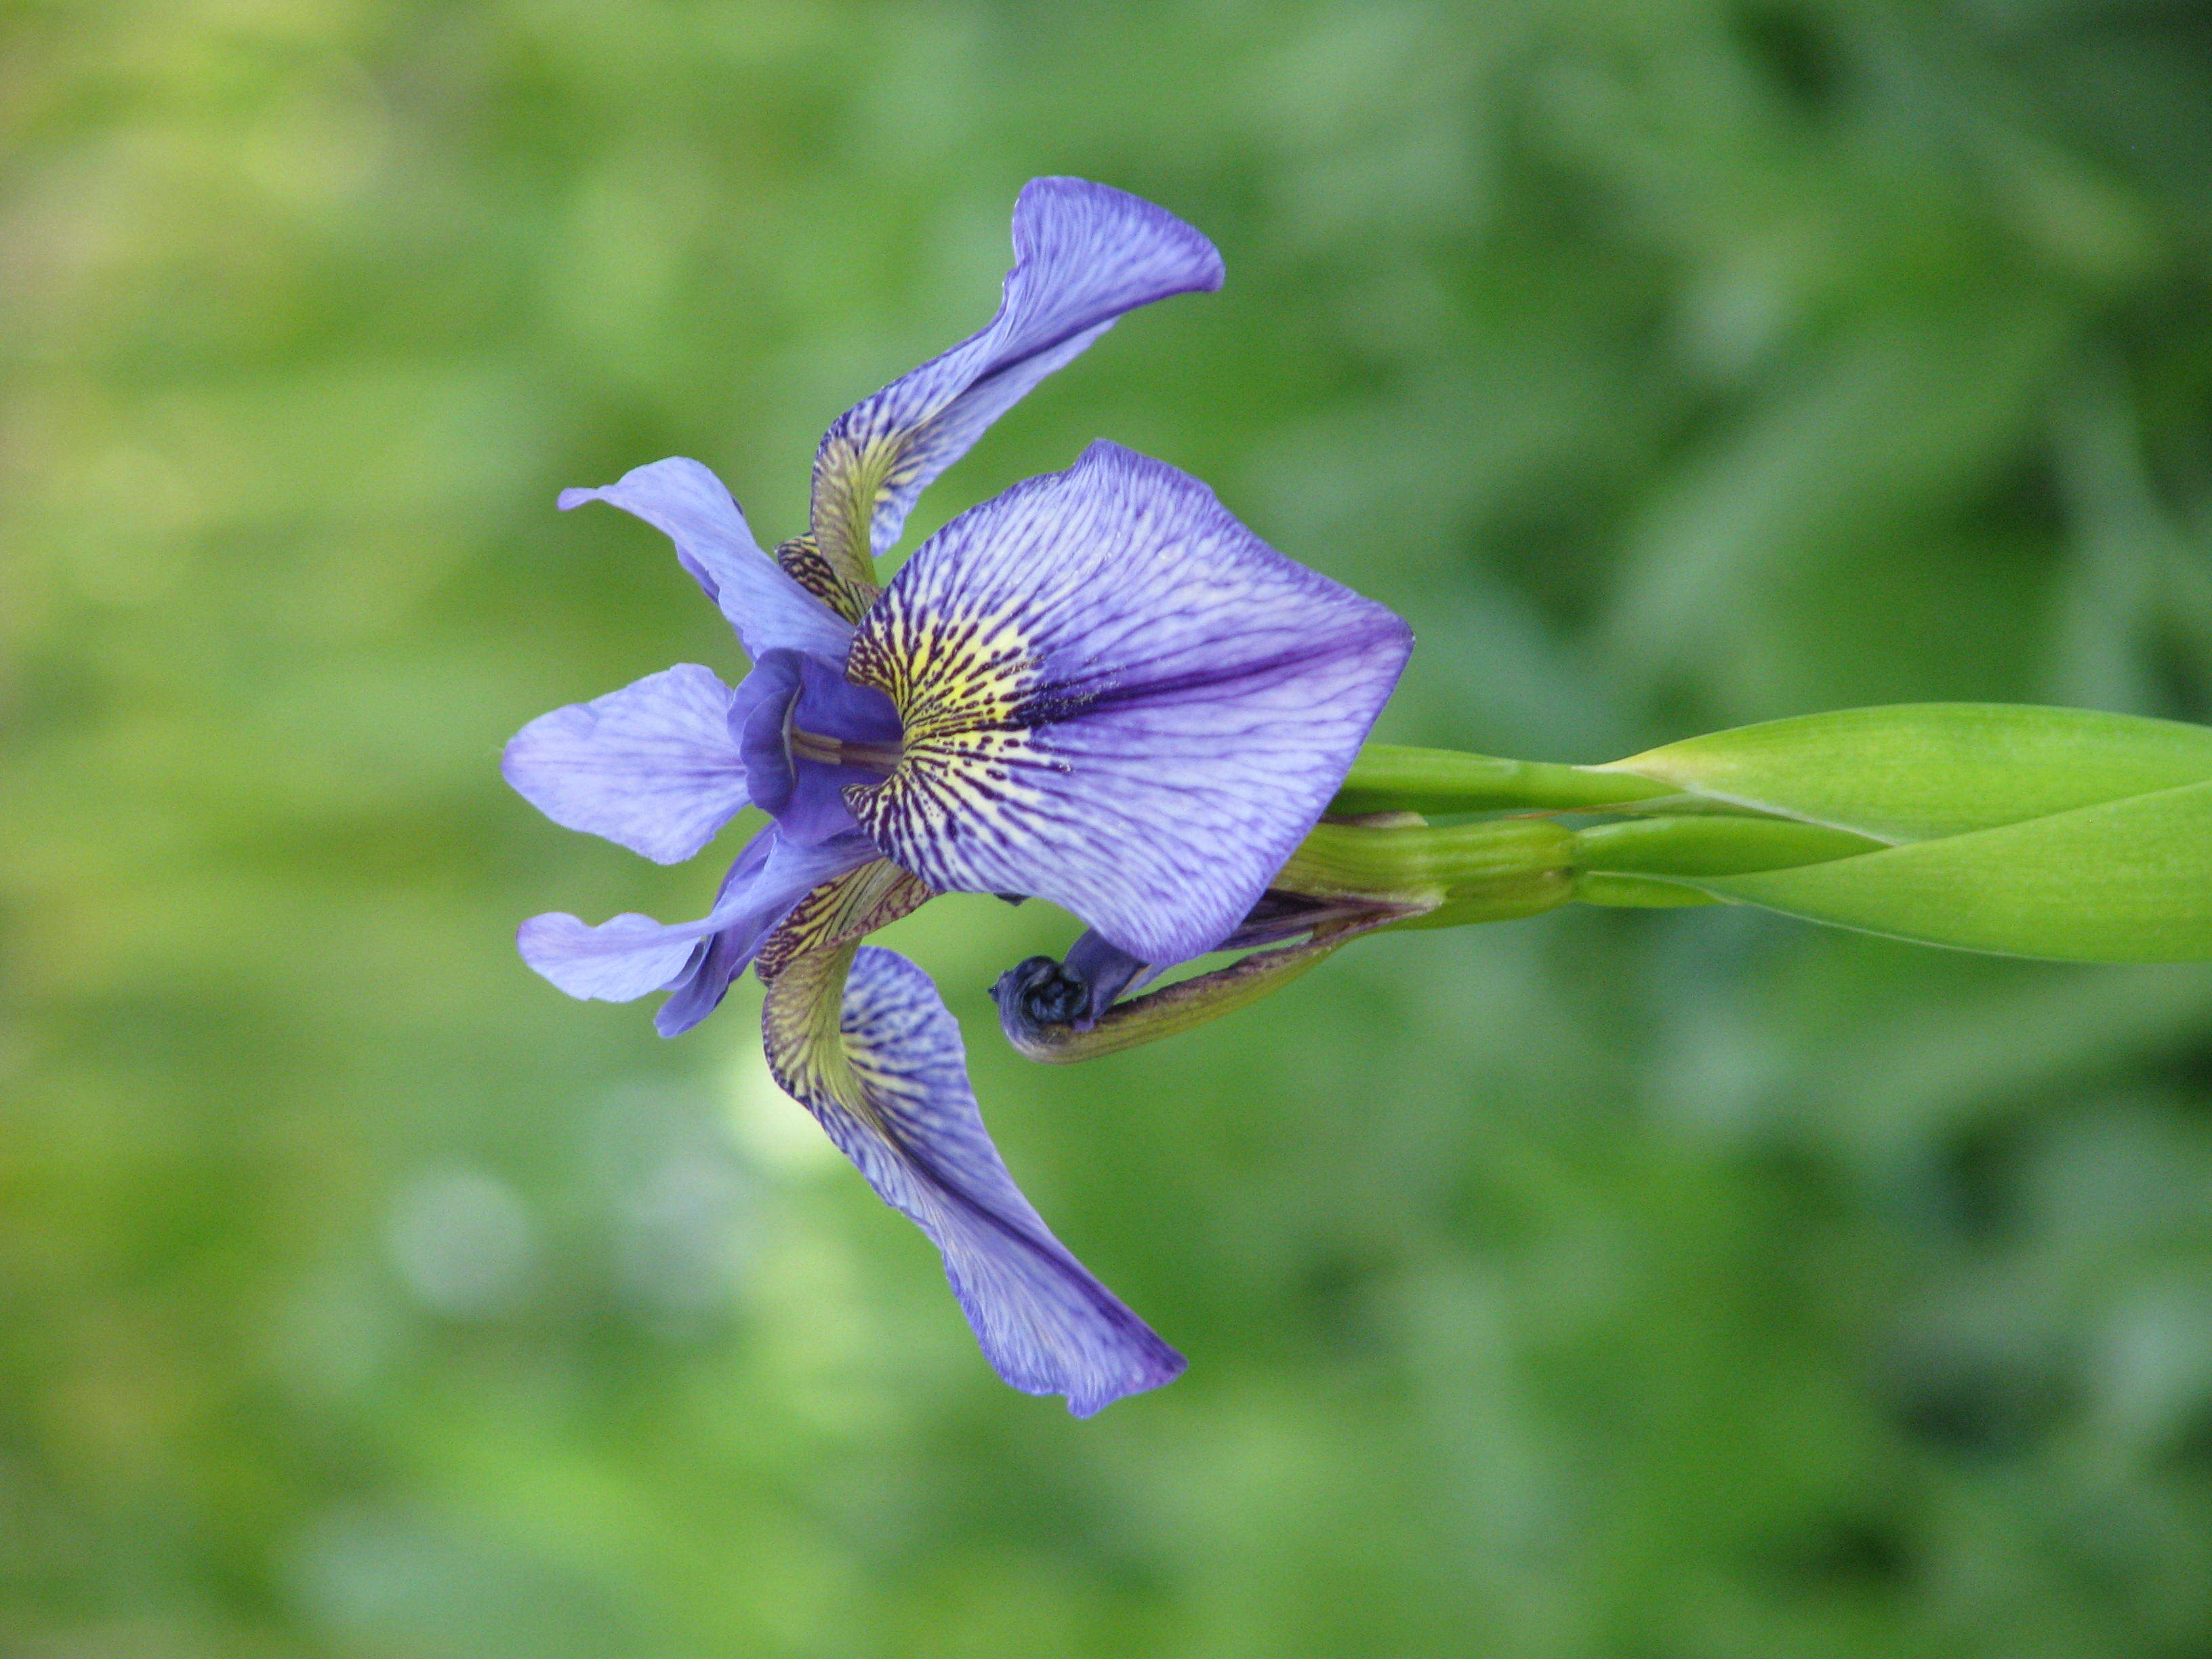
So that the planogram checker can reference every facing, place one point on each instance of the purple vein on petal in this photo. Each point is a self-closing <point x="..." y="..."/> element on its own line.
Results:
<point x="1117" y="698"/>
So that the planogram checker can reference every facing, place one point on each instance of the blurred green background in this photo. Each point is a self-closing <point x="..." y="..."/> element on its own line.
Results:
<point x="1657" y="1286"/>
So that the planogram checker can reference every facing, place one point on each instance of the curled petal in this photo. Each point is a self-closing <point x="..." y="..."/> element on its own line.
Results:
<point x="1084" y="254"/>
<point x="687" y="503"/>
<point x="759" y="890"/>
<point x="623" y="958"/>
<point x="1118" y="698"/>
<point x="715" y="963"/>
<point x="884" y="1074"/>
<point x="1040" y="992"/>
<point x="653" y="767"/>
<point x="764" y="734"/>
<point x="1073" y="1010"/>
<point x="1033" y="1025"/>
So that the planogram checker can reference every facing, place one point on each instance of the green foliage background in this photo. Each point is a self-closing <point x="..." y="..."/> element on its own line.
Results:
<point x="1658" y="1285"/>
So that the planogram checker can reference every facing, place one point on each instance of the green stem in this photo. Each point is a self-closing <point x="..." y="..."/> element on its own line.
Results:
<point x="1388" y="778"/>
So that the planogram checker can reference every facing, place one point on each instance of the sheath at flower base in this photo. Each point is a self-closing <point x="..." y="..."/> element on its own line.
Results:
<point x="1097" y="688"/>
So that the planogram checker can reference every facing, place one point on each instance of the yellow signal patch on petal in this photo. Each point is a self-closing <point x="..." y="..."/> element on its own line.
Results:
<point x="838" y="911"/>
<point x="803" y="964"/>
<point x="966" y="691"/>
<point x="802" y="560"/>
<point x="854" y="475"/>
<point x="806" y="1052"/>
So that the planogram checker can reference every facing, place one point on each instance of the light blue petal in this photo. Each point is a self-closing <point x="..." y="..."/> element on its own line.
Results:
<point x="897" y="1103"/>
<point x="653" y="767"/>
<point x="1084" y="254"/>
<point x="618" y="960"/>
<point x="625" y="957"/>
<point x="1118" y="698"/>
<point x="688" y="504"/>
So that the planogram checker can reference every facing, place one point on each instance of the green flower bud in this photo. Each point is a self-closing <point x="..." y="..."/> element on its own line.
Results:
<point x="2061" y="833"/>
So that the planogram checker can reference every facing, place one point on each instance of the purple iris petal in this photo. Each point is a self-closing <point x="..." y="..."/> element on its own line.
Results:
<point x="1118" y="698"/>
<point x="653" y="767"/>
<point x="764" y="737"/>
<point x="623" y="958"/>
<point x="688" y="504"/>
<point x="716" y="961"/>
<point x="831" y="706"/>
<point x="1084" y="253"/>
<point x="722" y="955"/>
<point x="1045" y="1324"/>
<point x="798" y="699"/>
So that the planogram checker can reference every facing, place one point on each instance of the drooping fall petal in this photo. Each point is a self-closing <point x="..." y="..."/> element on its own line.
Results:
<point x="860" y="1037"/>
<point x="1117" y="697"/>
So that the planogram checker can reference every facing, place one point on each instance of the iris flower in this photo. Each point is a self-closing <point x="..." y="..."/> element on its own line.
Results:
<point x="1097" y="688"/>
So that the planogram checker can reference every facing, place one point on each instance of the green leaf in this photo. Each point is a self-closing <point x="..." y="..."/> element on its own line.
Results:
<point x="1908" y="771"/>
<point x="2121" y="881"/>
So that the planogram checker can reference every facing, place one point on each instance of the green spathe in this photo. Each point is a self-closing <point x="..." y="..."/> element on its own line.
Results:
<point x="2120" y="881"/>
<point x="1913" y="771"/>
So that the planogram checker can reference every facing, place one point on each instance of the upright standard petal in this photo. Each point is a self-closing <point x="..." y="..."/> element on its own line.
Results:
<point x="885" y="1075"/>
<point x="1118" y="698"/>
<point x="687" y="503"/>
<point x="625" y="957"/>
<point x="653" y="767"/>
<point x="1084" y="254"/>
